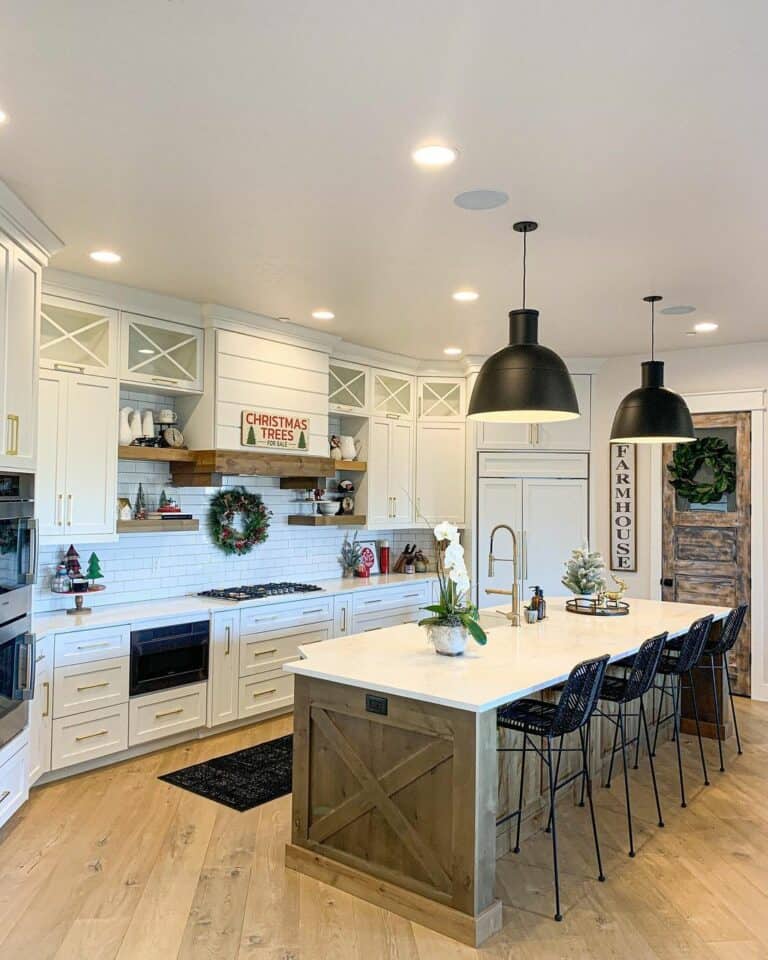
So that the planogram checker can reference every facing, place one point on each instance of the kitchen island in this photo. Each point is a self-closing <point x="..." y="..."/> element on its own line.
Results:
<point x="396" y="783"/>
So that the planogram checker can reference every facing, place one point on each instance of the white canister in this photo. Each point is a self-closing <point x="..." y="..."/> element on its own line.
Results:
<point x="148" y="424"/>
<point x="125" y="433"/>
<point x="134" y="419"/>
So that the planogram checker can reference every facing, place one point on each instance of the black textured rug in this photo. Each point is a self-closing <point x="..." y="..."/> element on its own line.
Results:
<point x="244" y="779"/>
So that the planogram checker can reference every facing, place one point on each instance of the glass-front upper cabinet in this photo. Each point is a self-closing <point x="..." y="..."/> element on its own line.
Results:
<point x="163" y="354"/>
<point x="347" y="387"/>
<point x="441" y="398"/>
<point x="78" y="337"/>
<point x="393" y="394"/>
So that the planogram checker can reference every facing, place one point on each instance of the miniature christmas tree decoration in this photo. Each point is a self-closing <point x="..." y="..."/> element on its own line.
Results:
<point x="94" y="568"/>
<point x="72" y="561"/>
<point x="140" y="507"/>
<point x="163" y="499"/>
<point x="585" y="572"/>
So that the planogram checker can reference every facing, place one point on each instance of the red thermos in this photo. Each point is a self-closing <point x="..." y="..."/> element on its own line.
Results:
<point x="384" y="556"/>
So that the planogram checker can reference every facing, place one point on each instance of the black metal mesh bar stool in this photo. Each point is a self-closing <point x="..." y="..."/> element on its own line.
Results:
<point x="678" y="661"/>
<point x="550" y="721"/>
<point x="625" y="692"/>
<point x="721" y="648"/>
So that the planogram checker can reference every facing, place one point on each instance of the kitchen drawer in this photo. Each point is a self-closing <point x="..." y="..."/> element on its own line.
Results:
<point x="364" y="623"/>
<point x="87" y="736"/>
<point x="84" y="646"/>
<point x="167" y="712"/>
<point x="261" y="694"/>
<point x="262" y="652"/>
<point x="13" y="783"/>
<point x="82" y="687"/>
<point x="276" y="616"/>
<point x="392" y="599"/>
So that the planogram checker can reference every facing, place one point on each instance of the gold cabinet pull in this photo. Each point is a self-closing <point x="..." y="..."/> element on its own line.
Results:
<point x="12" y="450"/>
<point x="90" y="736"/>
<point x="4" y="795"/>
<point x="92" y="646"/>
<point x="60" y="510"/>
<point x="265" y="693"/>
<point x="47" y="688"/>
<point x="228" y="635"/>
<point x="70" y="509"/>
<point x="343" y="618"/>
<point x="169" y="713"/>
<point x="93" y="686"/>
<point x="69" y="367"/>
<point x="167" y="380"/>
<point x="264" y="653"/>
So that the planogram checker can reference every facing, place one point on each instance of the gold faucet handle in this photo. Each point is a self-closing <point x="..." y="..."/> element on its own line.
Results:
<point x="505" y="593"/>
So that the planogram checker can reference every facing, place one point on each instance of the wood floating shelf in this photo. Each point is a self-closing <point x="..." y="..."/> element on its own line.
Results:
<point x="351" y="466"/>
<point x="206" y="468"/>
<point x="318" y="520"/>
<point x="164" y="454"/>
<point x="309" y="483"/>
<point x="156" y="526"/>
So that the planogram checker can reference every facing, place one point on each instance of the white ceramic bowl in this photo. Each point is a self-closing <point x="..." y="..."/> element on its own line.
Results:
<point x="327" y="507"/>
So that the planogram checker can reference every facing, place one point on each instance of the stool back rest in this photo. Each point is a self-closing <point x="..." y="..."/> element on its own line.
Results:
<point x="731" y="629"/>
<point x="579" y="697"/>
<point x="693" y="644"/>
<point x="644" y="666"/>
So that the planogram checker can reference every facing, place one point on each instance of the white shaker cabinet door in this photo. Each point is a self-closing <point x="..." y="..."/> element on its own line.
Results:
<point x="440" y="471"/>
<point x="500" y="500"/>
<point x="401" y="471"/>
<point x="41" y="712"/>
<point x="379" y="497"/>
<point x="51" y="473"/>
<point x="91" y="456"/>
<point x="555" y="518"/>
<point x="223" y="668"/>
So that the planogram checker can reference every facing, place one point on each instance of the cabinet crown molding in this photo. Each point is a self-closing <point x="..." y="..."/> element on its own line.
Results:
<point x="26" y="228"/>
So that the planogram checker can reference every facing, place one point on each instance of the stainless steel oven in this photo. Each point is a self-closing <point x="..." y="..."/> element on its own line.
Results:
<point x="17" y="676"/>
<point x="18" y="544"/>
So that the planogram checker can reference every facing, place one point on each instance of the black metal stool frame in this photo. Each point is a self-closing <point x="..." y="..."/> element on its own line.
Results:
<point x="720" y="648"/>
<point x="597" y="666"/>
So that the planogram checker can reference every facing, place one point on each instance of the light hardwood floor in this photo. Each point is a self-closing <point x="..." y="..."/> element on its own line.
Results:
<point x="117" y="864"/>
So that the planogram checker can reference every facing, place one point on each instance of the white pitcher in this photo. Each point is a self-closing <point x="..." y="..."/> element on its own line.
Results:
<point x="125" y="432"/>
<point x="148" y="424"/>
<point x="134" y="419"/>
<point x="350" y="448"/>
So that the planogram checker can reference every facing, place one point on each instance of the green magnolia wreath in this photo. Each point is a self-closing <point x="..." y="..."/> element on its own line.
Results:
<point x="689" y="458"/>
<point x="223" y="508"/>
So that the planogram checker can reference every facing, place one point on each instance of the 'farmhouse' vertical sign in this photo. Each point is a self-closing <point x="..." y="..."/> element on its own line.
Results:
<point x="623" y="506"/>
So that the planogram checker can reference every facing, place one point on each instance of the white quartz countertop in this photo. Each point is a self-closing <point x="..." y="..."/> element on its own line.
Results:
<point x="516" y="662"/>
<point x="194" y="607"/>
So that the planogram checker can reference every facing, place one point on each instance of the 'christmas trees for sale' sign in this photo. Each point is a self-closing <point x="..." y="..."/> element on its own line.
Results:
<point x="285" y="430"/>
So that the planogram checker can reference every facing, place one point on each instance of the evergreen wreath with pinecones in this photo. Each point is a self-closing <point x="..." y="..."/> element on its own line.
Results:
<point x="223" y="508"/>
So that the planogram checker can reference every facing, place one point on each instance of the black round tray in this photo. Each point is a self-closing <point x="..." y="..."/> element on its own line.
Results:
<point x="591" y="608"/>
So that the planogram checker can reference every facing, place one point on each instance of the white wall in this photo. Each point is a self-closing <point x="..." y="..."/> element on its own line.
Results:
<point x="694" y="371"/>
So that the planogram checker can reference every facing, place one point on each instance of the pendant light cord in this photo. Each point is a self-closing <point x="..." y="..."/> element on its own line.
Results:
<point x="525" y="252"/>
<point x="653" y="330"/>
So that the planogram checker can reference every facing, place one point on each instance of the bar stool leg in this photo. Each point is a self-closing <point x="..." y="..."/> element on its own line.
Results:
<point x="613" y="753"/>
<point x="587" y="779"/>
<point x="650" y="761"/>
<point x="637" y="741"/>
<point x="698" y="728"/>
<point x="520" y="795"/>
<point x="626" y="781"/>
<point x="659" y="712"/>
<point x="676" y="698"/>
<point x="552" y="789"/>
<point x="733" y="708"/>
<point x="713" y="674"/>
<point x="557" y="777"/>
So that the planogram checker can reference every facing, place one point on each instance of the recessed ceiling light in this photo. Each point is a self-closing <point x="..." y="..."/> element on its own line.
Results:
<point x="465" y="296"/>
<point x="678" y="311"/>
<point x="3" y="116"/>
<point x="146" y="350"/>
<point x="481" y="199"/>
<point x="452" y="351"/>
<point x="323" y="314"/>
<point x="434" y="155"/>
<point x="106" y="256"/>
<point x="705" y="327"/>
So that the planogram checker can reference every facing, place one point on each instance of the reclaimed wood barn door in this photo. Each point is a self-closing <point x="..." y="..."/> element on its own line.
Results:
<point x="706" y="548"/>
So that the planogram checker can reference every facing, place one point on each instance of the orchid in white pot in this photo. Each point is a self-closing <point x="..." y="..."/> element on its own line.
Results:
<point x="453" y="618"/>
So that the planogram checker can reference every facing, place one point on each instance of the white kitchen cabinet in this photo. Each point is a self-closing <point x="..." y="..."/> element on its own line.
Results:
<point x="41" y="712"/>
<point x="165" y="355"/>
<point x="348" y="387"/>
<point x="561" y="435"/>
<point x="393" y="395"/>
<point x="223" y="668"/>
<point x="77" y="476"/>
<point x="440" y="471"/>
<point x="14" y="786"/>
<point x="78" y="337"/>
<point x="166" y="712"/>
<point x="442" y="398"/>
<point x="19" y="338"/>
<point x="391" y="454"/>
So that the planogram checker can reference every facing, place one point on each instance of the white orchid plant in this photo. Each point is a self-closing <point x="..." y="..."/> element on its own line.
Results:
<point x="453" y="608"/>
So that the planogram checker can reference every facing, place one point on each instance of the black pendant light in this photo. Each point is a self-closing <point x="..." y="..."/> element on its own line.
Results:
<point x="652" y="414"/>
<point x="524" y="382"/>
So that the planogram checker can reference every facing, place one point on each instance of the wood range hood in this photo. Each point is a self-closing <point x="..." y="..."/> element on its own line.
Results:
<point x="207" y="468"/>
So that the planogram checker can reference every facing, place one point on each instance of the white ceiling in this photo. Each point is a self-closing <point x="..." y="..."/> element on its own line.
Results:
<point x="257" y="154"/>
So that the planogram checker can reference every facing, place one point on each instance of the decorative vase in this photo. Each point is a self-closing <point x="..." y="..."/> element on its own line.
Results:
<point x="448" y="640"/>
<point x="134" y="419"/>
<point x="350" y="448"/>
<point x="125" y="432"/>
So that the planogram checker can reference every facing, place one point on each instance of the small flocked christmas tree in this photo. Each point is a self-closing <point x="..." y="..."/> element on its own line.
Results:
<point x="94" y="568"/>
<point x="584" y="572"/>
<point x="163" y="499"/>
<point x="72" y="560"/>
<point x="140" y="507"/>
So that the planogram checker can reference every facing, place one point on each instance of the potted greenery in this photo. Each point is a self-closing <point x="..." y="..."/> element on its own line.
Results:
<point x="453" y="618"/>
<point x="351" y="556"/>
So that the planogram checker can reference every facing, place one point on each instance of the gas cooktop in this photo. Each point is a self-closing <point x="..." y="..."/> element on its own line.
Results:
<point x="258" y="591"/>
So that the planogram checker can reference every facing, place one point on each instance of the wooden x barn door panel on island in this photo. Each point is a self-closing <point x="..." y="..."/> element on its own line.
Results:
<point x="707" y="548"/>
